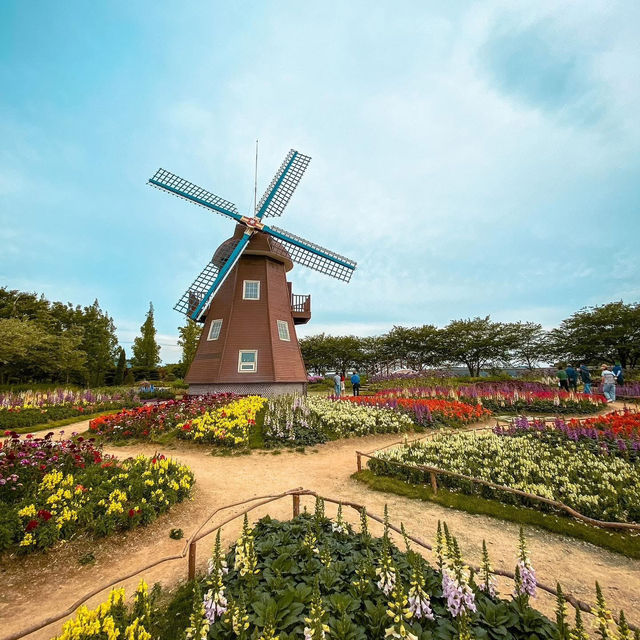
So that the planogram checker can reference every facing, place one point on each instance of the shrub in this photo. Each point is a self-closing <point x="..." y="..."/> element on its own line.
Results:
<point x="150" y="421"/>
<point x="52" y="490"/>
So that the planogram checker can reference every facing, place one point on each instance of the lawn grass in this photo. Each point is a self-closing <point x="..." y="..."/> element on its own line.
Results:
<point x="626" y="544"/>
<point x="56" y="424"/>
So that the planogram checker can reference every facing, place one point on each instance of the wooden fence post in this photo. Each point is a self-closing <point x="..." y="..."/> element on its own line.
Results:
<point x="434" y="483"/>
<point x="359" y="460"/>
<point x="296" y="505"/>
<point x="192" y="560"/>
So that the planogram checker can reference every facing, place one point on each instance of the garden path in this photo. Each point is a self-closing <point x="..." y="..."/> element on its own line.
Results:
<point x="37" y="586"/>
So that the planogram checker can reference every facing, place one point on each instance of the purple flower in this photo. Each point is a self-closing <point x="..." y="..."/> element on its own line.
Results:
<point x="215" y="605"/>
<point x="528" y="577"/>
<point x="460" y="598"/>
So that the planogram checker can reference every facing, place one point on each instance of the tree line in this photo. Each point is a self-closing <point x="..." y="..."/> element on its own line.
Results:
<point x="44" y="341"/>
<point x="605" y="333"/>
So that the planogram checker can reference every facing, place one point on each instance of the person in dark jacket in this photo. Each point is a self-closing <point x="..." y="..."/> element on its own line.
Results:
<point x="572" y="376"/>
<point x="617" y="372"/>
<point x="585" y="376"/>
<point x="355" y="381"/>
<point x="563" y="378"/>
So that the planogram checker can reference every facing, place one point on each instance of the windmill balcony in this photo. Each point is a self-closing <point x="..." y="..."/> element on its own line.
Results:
<point x="300" y="309"/>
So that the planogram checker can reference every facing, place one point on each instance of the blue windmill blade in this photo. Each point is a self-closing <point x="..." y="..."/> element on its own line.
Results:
<point x="177" y="186"/>
<point x="196" y="292"/>
<point x="226" y="269"/>
<point x="284" y="183"/>
<point x="313" y="255"/>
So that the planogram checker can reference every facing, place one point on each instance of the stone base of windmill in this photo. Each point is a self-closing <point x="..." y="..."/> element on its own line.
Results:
<point x="265" y="389"/>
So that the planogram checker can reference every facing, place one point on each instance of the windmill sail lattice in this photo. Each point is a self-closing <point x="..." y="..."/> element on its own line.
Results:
<point x="193" y="296"/>
<point x="314" y="256"/>
<point x="182" y="188"/>
<point x="284" y="183"/>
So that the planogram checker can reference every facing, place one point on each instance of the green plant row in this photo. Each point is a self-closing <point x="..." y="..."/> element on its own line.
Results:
<point x="599" y="486"/>
<point x="28" y="418"/>
<point x="56" y="424"/>
<point x="624" y="543"/>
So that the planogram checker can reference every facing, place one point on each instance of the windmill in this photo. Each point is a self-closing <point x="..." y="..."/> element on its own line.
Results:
<point x="248" y="343"/>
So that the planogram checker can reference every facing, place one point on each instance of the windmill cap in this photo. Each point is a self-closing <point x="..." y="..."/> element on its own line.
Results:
<point x="260" y="244"/>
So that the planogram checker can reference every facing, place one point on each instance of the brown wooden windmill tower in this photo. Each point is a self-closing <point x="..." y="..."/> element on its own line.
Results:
<point x="248" y="342"/>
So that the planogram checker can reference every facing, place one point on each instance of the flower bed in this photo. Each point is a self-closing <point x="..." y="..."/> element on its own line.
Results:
<point x="228" y="424"/>
<point x="427" y="412"/>
<point x="112" y="619"/>
<point x="31" y="408"/>
<point x="316" y="578"/>
<point x="616" y="433"/>
<point x="52" y="490"/>
<point x="311" y="420"/>
<point x="291" y="420"/>
<point x="60" y="397"/>
<point x="507" y="398"/>
<point x="605" y="488"/>
<point x="155" y="419"/>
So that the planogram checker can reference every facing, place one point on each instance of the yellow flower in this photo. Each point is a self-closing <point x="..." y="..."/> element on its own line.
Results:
<point x="28" y="540"/>
<point x="28" y="512"/>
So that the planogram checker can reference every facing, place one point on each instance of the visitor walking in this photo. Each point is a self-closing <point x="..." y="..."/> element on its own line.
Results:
<point x="355" y="382"/>
<point x="563" y="378"/>
<point x="608" y="383"/>
<point x="618" y="373"/>
<point x="342" y="389"/>
<point x="337" y="385"/>
<point x="572" y="375"/>
<point x="585" y="376"/>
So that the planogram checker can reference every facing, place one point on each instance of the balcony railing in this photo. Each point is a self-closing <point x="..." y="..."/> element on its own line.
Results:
<point x="300" y="304"/>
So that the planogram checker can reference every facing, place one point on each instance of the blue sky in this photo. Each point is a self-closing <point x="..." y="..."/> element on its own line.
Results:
<point x="473" y="158"/>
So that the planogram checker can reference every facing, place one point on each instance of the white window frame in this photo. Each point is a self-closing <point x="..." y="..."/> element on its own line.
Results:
<point x="254" y="363"/>
<point x="244" y="289"/>
<point x="215" y="323"/>
<point x="283" y="328"/>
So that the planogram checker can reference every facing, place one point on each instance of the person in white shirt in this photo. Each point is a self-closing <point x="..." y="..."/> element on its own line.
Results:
<point x="608" y="383"/>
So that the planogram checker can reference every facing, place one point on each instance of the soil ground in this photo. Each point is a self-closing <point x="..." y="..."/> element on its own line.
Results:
<point x="37" y="586"/>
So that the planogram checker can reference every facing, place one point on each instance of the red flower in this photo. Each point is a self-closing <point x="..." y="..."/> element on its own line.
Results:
<point x="31" y="525"/>
<point x="154" y="460"/>
<point x="29" y="436"/>
<point x="131" y="513"/>
<point x="44" y="514"/>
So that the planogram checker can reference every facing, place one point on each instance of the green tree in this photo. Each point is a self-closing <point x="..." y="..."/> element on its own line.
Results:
<point x="602" y="333"/>
<point x="316" y="353"/>
<point x="188" y="340"/>
<point x="121" y="367"/>
<point x="129" y="379"/>
<point x="99" y="341"/>
<point x="414" y="347"/>
<point x="346" y="353"/>
<point x="530" y="343"/>
<point x="69" y="358"/>
<point x="477" y="342"/>
<point x="19" y="339"/>
<point x="72" y="342"/>
<point x="146" y="351"/>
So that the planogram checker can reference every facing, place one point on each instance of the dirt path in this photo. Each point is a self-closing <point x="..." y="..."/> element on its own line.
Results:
<point x="35" y="587"/>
